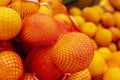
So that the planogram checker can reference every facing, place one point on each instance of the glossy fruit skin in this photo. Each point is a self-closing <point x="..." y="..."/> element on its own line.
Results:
<point x="73" y="52"/>
<point x="11" y="66"/>
<point x="43" y="66"/>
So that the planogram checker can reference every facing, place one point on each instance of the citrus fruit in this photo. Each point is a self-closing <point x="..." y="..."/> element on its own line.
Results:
<point x="81" y="75"/>
<point x="75" y="11"/>
<point x="73" y="52"/>
<point x="10" y="23"/>
<point x="91" y="15"/>
<point x="40" y="29"/>
<point x="89" y="29"/>
<point x="11" y="66"/>
<point x="103" y="37"/>
<point x="98" y="65"/>
<point x="112" y="74"/>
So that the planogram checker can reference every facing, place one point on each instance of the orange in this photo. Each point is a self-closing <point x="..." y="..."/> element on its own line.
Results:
<point x="109" y="8"/>
<point x="98" y="65"/>
<point x="11" y="66"/>
<point x="45" y="9"/>
<point x="81" y="75"/>
<point x="90" y="14"/>
<point x="94" y="44"/>
<point x="115" y="3"/>
<point x="40" y="29"/>
<point x="4" y="2"/>
<point x="112" y="47"/>
<point x="89" y="29"/>
<point x="73" y="52"/>
<point x="10" y="23"/>
<point x="107" y="19"/>
<point x="103" y="37"/>
<point x="29" y="76"/>
<point x="118" y="44"/>
<point x="79" y="20"/>
<point x="98" y="9"/>
<point x="63" y="18"/>
<point x="115" y="33"/>
<point x="117" y="18"/>
<point x="75" y="11"/>
<point x="112" y="74"/>
<point x="105" y="52"/>
<point x="114" y="60"/>
<point x="25" y="8"/>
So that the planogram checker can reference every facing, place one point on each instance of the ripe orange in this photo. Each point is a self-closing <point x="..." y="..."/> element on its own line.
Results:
<point x="103" y="37"/>
<point x="112" y="74"/>
<point x="115" y="3"/>
<point x="105" y="52"/>
<point x="112" y="47"/>
<point x="74" y="11"/>
<point x="107" y="19"/>
<point x="11" y="66"/>
<point x="98" y="65"/>
<point x="4" y="2"/>
<point x="79" y="20"/>
<point x="114" y="60"/>
<point x="63" y="18"/>
<point x="10" y="23"/>
<point x="73" y="52"/>
<point x="29" y="76"/>
<point x="81" y="75"/>
<point x="40" y="29"/>
<point x="89" y="29"/>
<point x="115" y="33"/>
<point x="117" y="18"/>
<point x="90" y="14"/>
<point x="45" y="9"/>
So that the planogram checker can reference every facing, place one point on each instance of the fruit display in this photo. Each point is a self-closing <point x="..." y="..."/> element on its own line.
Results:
<point x="59" y="40"/>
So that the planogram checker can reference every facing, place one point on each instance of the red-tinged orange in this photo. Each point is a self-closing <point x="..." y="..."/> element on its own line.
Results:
<point x="81" y="75"/>
<point x="73" y="52"/>
<point x="44" y="67"/>
<point x="6" y="45"/>
<point x="40" y="29"/>
<point x="4" y="2"/>
<point x="10" y="23"/>
<point x="11" y="66"/>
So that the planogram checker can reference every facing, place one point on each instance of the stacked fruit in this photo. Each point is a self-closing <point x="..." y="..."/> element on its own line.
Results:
<point x="39" y="41"/>
<point x="101" y="23"/>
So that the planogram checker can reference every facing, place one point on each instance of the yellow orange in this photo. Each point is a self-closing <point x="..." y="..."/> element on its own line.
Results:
<point x="4" y="2"/>
<point x="10" y="23"/>
<point x="103" y="37"/>
<point x="79" y="19"/>
<point x="112" y="47"/>
<point x="45" y="9"/>
<point x="98" y="65"/>
<point x="98" y="9"/>
<point x="75" y="54"/>
<point x="89" y="29"/>
<point x="90" y="14"/>
<point x="112" y="74"/>
<point x="75" y="11"/>
<point x="114" y="60"/>
<point x="105" y="52"/>
<point x="115" y="33"/>
<point x="11" y="66"/>
<point x="63" y="18"/>
<point x="81" y="75"/>
<point x="117" y="18"/>
<point x="107" y="19"/>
